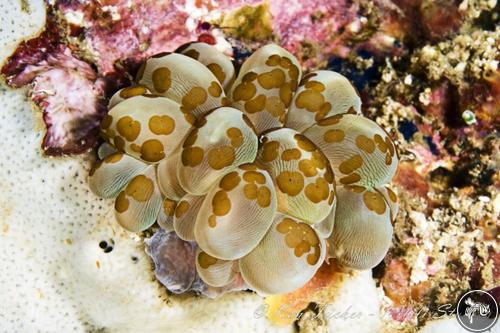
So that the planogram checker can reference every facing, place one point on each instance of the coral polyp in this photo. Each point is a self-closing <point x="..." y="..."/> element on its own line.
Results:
<point x="267" y="172"/>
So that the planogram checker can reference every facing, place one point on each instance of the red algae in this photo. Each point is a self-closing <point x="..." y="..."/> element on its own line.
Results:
<point x="32" y="51"/>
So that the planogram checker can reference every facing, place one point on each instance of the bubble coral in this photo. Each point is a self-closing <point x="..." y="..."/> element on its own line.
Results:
<point x="246" y="166"/>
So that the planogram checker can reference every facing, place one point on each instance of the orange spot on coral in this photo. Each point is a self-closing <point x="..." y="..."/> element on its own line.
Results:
<point x="321" y="289"/>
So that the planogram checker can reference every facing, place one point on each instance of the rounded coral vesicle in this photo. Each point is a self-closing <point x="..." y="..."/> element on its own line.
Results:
<point x="261" y="170"/>
<point x="362" y="232"/>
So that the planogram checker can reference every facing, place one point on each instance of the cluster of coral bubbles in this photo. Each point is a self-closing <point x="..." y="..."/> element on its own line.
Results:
<point x="269" y="171"/>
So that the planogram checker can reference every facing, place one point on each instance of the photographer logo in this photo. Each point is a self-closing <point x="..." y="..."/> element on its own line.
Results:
<point x="477" y="311"/>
